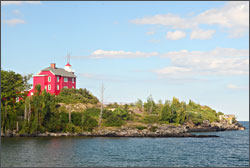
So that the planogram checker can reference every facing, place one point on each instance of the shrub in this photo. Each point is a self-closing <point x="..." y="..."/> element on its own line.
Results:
<point x="150" y="119"/>
<point x="76" y="96"/>
<point x="76" y="118"/>
<point x="93" y="112"/>
<point x="72" y="128"/>
<point x="113" y="121"/>
<point x="89" y="123"/>
<point x="140" y="127"/>
<point x="153" y="128"/>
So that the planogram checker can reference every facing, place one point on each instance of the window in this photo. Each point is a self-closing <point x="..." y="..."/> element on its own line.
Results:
<point x="49" y="87"/>
<point x="46" y="87"/>
<point x="65" y="87"/>
<point x="31" y="93"/>
<point x="57" y="87"/>
<point x="58" y="78"/>
<point x="65" y="79"/>
<point x="73" y="80"/>
<point x="72" y="87"/>
<point x="49" y="79"/>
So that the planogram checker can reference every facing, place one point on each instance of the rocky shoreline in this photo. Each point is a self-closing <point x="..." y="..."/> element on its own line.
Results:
<point x="206" y="126"/>
<point x="154" y="130"/>
<point x="111" y="134"/>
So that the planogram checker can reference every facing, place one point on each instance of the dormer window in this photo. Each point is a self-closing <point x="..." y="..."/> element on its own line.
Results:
<point x="65" y="79"/>
<point x="49" y="79"/>
<point x="73" y="80"/>
<point x="58" y="78"/>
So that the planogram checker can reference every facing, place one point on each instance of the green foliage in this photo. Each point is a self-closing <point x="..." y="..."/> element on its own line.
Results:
<point x="76" y="96"/>
<point x="11" y="86"/>
<point x="76" y="118"/>
<point x="150" y="106"/>
<point x="88" y="123"/>
<point x="150" y="119"/>
<point x="233" y="120"/>
<point x="114" y="118"/>
<point x="72" y="128"/>
<point x="40" y="112"/>
<point x="220" y="113"/>
<point x="93" y="112"/>
<point x="139" y="103"/>
<point x="140" y="127"/>
<point x="113" y="121"/>
<point x="153" y="128"/>
<point x="166" y="113"/>
<point x="122" y="114"/>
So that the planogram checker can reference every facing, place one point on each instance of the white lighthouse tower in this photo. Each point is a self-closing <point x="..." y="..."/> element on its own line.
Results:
<point x="68" y="66"/>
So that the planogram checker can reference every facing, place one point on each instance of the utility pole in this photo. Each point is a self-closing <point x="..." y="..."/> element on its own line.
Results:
<point x="100" y="118"/>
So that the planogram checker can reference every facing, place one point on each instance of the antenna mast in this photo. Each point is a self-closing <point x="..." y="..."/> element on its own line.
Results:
<point x="68" y="57"/>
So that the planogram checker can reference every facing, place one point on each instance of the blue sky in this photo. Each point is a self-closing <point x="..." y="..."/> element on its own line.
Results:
<point x="190" y="50"/>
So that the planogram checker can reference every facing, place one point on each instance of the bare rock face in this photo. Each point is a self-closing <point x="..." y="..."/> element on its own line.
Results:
<point x="150" y="131"/>
<point x="74" y="107"/>
<point x="206" y="126"/>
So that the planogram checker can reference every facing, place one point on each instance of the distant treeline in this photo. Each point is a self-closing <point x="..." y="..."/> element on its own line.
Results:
<point x="42" y="111"/>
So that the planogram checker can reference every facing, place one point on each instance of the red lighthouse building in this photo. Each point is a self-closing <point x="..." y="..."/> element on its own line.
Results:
<point x="53" y="79"/>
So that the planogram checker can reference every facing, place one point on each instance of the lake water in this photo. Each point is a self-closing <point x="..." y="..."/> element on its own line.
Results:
<point x="231" y="149"/>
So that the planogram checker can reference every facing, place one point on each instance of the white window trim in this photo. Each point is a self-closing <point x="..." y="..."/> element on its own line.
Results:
<point x="65" y="87"/>
<point x="45" y="87"/>
<point x="49" y="79"/>
<point x="49" y="87"/>
<point x="57" y="87"/>
<point x="73" y="80"/>
<point x="57" y="78"/>
<point x="65" y="79"/>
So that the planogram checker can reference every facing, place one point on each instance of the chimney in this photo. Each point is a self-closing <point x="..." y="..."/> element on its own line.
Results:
<point x="53" y="65"/>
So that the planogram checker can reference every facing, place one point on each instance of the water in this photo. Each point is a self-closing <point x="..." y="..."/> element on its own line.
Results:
<point x="231" y="149"/>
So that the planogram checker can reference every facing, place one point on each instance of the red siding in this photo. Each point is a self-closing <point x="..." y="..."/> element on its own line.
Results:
<point x="43" y="81"/>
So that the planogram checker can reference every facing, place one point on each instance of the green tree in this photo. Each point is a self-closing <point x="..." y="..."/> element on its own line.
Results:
<point x="88" y="122"/>
<point x="150" y="105"/>
<point x="139" y="104"/>
<point x="166" y="113"/>
<point x="11" y="88"/>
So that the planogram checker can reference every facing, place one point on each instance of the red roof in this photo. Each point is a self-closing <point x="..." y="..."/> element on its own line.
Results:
<point x="68" y="64"/>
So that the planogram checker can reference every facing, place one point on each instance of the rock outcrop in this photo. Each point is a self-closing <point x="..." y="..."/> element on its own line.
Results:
<point x="206" y="126"/>
<point x="151" y="130"/>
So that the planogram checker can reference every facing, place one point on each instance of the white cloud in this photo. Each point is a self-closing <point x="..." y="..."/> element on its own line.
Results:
<point x="18" y="2"/>
<point x="13" y="22"/>
<point x="234" y="87"/>
<point x="150" y="33"/>
<point x="171" y="20"/>
<point x="172" y="70"/>
<point x="202" y="34"/>
<point x="120" y="54"/>
<point x="220" y="61"/>
<point x="175" y="35"/>
<point x="17" y="12"/>
<point x="234" y="17"/>
<point x="154" y="41"/>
